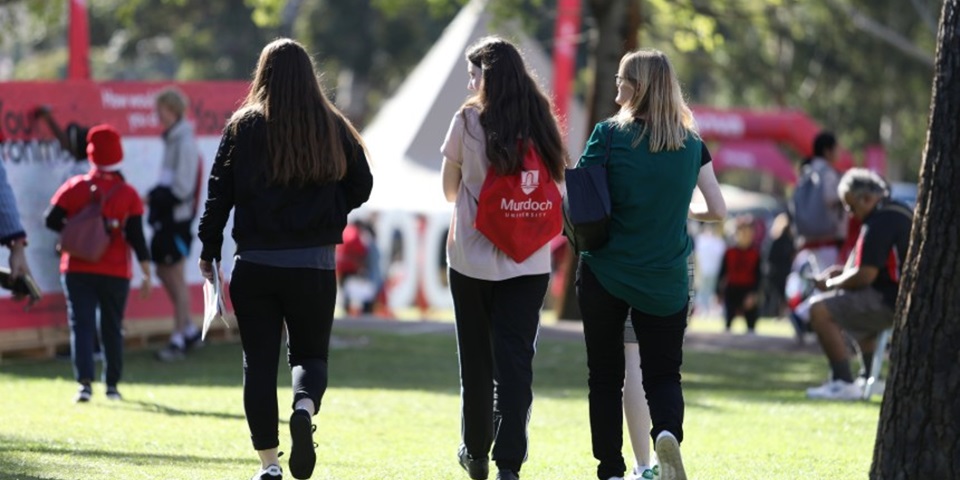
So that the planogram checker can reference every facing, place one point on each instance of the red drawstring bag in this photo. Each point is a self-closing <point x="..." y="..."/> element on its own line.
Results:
<point x="520" y="213"/>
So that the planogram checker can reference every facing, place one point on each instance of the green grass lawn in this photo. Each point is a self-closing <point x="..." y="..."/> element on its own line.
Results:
<point x="392" y="412"/>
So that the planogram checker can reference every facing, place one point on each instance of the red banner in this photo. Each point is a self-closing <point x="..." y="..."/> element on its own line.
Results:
<point x="78" y="65"/>
<point x="565" y="37"/>
<point x="128" y="106"/>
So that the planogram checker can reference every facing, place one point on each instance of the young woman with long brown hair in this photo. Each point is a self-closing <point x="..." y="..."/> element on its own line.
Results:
<point x="496" y="299"/>
<point x="292" y="167"/>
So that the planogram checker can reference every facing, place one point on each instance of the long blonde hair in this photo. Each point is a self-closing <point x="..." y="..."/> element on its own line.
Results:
<point x="657" y="99"/>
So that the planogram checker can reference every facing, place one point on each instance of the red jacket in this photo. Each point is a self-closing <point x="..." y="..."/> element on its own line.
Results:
<point x="741" y="268"/>
<point x="122" y="204"/>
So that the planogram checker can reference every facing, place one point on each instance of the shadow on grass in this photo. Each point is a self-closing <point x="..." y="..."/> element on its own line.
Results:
<point x="14" y="475"/>
<point x="153" y="407"/>
<point x="10" y="446"/>
<point x="428" y="362"/>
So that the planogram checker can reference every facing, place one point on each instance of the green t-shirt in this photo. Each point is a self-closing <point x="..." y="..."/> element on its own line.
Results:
<point x="645" y="261"/>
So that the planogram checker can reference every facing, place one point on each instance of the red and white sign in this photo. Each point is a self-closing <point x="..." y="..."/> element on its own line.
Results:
<point x="36" y="166"/>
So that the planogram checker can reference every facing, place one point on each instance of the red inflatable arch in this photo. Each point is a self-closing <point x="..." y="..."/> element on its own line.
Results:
<point x="748" y="139"/>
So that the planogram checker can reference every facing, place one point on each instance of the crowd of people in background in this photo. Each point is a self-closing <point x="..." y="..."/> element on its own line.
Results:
<point x="291" y="168"/>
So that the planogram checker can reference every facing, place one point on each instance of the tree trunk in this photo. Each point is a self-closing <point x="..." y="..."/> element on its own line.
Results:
<point x="919" y="431"/>
<point x="616" y="25"/>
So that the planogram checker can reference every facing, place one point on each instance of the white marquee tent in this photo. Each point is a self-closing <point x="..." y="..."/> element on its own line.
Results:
<point x="404" y="138"/>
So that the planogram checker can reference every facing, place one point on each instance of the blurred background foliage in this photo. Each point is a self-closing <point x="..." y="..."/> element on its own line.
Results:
<point x="860" y="67"/>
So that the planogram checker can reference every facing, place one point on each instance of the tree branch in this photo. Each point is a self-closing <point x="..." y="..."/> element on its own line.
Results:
<point x="925" y="15"/>
<point x="886" y="34"/>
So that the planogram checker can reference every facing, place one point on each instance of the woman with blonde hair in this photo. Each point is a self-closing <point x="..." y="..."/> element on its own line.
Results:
<point x="292" y="167"/>
<point x="496" y="297"/>
<point x="655" y="161"/>
<point x="173" y="207"/>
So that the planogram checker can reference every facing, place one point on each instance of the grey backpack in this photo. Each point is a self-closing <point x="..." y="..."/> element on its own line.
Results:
<point x="812" y="217"/>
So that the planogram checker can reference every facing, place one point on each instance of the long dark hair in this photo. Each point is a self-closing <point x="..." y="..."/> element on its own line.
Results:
<point x="514" y="112"/>
<point x="305" y="131"/>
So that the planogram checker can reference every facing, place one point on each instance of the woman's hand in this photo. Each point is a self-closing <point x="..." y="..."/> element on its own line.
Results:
<point x="146" y="284"/>
<point x="206" y="269"/>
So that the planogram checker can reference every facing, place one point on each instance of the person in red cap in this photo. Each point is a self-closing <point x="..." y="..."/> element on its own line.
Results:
<point x="102" y="284"/>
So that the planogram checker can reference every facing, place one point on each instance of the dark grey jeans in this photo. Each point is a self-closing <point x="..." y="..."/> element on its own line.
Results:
<point x="95" y="305"/>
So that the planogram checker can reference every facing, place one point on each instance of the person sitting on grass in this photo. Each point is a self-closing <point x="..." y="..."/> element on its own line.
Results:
<point x="860" y="299"/>
<point x="739" y="280"/>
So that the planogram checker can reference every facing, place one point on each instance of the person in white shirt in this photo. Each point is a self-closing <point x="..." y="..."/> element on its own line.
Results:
<point x="709" y="248"/>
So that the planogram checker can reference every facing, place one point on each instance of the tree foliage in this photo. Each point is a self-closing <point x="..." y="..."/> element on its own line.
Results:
<point x="860" y="67"/>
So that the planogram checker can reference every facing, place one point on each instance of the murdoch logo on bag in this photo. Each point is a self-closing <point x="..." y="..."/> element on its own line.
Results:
<point x="529" y="181"/>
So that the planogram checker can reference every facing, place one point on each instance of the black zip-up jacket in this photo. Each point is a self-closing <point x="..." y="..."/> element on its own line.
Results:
<point x="276" y="217"/>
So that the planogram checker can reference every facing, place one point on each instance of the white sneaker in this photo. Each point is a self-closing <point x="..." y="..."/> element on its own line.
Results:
<point x="615" y="478"/>
<point x="836" y="390"/>
<point x="272" y="472"/>
<point x="668" y="452"/>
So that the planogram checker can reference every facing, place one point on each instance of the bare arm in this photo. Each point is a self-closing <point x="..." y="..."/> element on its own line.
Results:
<point x="853" y="278"/>
<point x="714" y="209"/>
<point x="451" y="174"/>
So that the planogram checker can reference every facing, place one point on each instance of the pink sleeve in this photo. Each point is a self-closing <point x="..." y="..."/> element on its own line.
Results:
<point x="452" y="147"/>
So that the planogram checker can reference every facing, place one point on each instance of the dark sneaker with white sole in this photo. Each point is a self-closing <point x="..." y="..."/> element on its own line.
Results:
<point x="273" y="472"/>
<point x="114" y="394"/>
<point x="477" y="468"/>
<point x="303" y="456"/>
<point x="84" y="392"/>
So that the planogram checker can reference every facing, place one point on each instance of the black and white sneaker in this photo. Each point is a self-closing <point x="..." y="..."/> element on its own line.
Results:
<point x="84" y="392"/>
<point x="113" y="393"/>
<point x="302" y="455"/>
<point x="272" y="472"/>
<point x="477" y="468"/>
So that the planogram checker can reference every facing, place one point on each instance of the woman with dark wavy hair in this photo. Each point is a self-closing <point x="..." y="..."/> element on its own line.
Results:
<point x="292" y="167"/>
<point x="496" y="300"/>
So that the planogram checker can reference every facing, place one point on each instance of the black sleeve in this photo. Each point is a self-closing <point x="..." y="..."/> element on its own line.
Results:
<point x="134" y="234"/>
<point x="219" y="198"/>
<point x="705" y="156"/>
<point x="358" y="182"/>
<point x="56" y="218"/>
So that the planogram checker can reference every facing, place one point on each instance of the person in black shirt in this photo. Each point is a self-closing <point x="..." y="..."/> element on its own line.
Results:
<point x="291" y="167"/>
<point x="860" y="299"/>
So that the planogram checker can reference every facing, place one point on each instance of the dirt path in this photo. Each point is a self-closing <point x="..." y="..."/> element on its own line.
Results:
<point x="574" y="331"/>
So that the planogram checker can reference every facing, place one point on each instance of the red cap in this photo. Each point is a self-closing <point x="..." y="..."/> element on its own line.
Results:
<point x="104" y="149"/>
